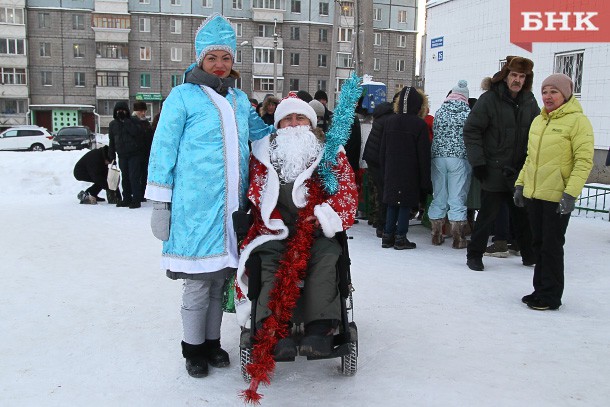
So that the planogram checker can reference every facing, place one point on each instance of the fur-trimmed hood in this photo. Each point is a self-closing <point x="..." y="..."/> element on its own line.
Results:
<point x="411" y="101"/>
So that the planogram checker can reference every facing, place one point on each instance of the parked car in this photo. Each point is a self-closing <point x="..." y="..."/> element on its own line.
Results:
<point x="74" y="138"/>
<point x="31" y="138"/>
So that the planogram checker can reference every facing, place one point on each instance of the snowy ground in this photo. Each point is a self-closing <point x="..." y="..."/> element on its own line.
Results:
<point x="87" y="317"/>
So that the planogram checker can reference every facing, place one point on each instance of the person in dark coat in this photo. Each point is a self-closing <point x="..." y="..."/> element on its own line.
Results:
<point x="371" y="155"/>
<point x="496" y="135"/>
<point x="93" y="167"/>
<point x="404" y="159"/>
<point x="139" y="116"/>
<point x="127" y="141"/>
<point x="267" y="111"/>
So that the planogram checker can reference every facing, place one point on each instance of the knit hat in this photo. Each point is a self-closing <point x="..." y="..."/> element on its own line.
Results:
<point x="561" y="82"/>
<point x="304" y="95"/>
<point x="139" y="105"/>
<point x="320" y="95"/>
<point x="215" y="33"/>
<point x="318" y="107"/>
<point x="293" y="104"/>
<point x="461" y="88"/>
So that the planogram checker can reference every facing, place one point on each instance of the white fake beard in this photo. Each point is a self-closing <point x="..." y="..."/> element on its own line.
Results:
<point x="293" y="150"/>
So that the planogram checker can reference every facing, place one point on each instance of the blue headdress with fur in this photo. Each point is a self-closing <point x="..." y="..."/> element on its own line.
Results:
<point x="215" y="33"/>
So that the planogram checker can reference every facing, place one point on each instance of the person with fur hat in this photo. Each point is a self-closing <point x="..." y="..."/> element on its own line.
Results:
<point x="127" y="141"/>
<point x="197" y="178"/>
<point x="559" y="160"/>
<point x="283" y="169"/>
<point x="495" y="135"/>
<point x="450" y="168"/>
<point x="404" y="161"/>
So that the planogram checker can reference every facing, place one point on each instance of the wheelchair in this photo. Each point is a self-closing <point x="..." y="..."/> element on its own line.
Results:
<point x="345" y="339"/>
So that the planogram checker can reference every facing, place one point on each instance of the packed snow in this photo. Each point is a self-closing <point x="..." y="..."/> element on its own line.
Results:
<point x="87" y="317"/>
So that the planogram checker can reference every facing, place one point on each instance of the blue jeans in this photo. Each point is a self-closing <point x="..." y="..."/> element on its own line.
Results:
<point x="400" y="214"/>
<point x="451" y="182"/>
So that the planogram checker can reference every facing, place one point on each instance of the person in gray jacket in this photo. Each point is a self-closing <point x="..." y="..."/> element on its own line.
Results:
<point x="495" y="135"/>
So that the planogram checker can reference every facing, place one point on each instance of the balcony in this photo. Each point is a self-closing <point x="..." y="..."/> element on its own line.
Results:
<point x="112" y="93"/>
<point x="111" y="64"/>
<point x="268" y="11"/>
<point x="120" y="35"/>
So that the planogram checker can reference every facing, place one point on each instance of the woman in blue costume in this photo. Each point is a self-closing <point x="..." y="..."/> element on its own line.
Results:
<point x="197" y="177"/>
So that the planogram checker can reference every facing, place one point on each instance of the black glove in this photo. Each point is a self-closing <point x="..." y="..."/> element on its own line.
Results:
<point x="480" y="172"/>
<point x="518" y="196"/>
<point x="566" y="204"/>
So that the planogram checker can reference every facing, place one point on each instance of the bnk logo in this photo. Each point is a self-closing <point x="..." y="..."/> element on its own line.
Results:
<point x="559" y="21"/>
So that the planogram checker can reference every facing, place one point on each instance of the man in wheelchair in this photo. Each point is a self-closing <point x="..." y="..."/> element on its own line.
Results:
<point x="283" y="181"/>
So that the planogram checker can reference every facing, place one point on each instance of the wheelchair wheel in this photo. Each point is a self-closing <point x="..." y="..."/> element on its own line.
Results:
<point x="245" y="357"/>
<point x="349" y="362"/>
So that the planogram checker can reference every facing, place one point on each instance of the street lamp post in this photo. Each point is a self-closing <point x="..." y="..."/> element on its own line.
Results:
<point x="275" y="57"/>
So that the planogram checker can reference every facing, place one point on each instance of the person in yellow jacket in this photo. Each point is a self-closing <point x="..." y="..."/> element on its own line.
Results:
<point x="559" y="160"/>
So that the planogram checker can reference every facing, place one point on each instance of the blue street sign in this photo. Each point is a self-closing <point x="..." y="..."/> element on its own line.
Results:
<point x="437" y="42"/>
<point x="440" y="56"/>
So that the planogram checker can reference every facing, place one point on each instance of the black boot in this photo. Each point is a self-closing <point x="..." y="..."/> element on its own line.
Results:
<point x="387" y="240"/>
<point x="217" y="356"/>
<point x="196" y="359"/>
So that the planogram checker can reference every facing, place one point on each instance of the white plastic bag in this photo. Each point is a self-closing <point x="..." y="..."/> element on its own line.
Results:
<point x="114" y="176"/>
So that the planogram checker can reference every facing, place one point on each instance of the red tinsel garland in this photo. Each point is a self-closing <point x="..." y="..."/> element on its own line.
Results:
<point x="284" y="295"/>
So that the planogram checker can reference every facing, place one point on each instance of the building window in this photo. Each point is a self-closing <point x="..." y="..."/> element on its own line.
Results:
<point x="176" y="80"/>
<point x="339" y="84"/>
<point x="145" y="53"/>
<point x="345" y="34"/>
<point x="238" y="27"/>
<point x="106" y="107"/>
<point x="176" y="54"/>
<point x="238" y="56"/>
<point x="377" y="14"/>
<point x="294" y="59"/>
<point x="13" y="106"/>
<point x="268" y="4"/>
<point x="294" y="84"/>
<point x="174" y="2"/>
<point x="45" y="49"/>
<point x="376" y="64"/>
<point x="237" y="5"/>
<point x="79" y="79"/>
<point x="323" y="8"/>
<point x="571" y="64"/>
<point x="144" y="24"/>
<point x="144" y="1"/>
<point x="112" y="79"/>
<point x="265" y="30"/>
<point x="44" y="20"/>
<point x="265" y="56"/>
<point x="78" y="22"/>
<point x="377" y="39"/>
<point x="47" y="78"/>
<point x="398" y="87"/>
<point x="13" y="76"/>
<point x="295" y="33"/>
<point x="112" y="51"/>
<point x="400" y="65"/>
<point x="322" y="84"/>
<point x="322" y="61"/>
<point x="206" y="3"/>
<point x="175" y="26"/>
<point x="323" y="35"/>
<point x="402" y="16"/>
<point x="347" y="9"/>
<point x="238" y="83"/>
<point x="79" y="50"/>
<point x="10" y="15"/>
<point x="263" y="84"/>
<point x="112" y="21"/>
<point x="12" y="46"/>
<point x="402" y="41"/>
<point x="145" y="80"/>
<point x="295" y="6"/>
<point x="344" y="60"/>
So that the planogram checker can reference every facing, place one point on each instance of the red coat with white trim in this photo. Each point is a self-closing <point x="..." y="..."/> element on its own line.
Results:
<point x="335" y="214"/>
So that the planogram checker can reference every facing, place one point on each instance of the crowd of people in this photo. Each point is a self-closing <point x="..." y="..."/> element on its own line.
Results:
<point x="216" y="152"/>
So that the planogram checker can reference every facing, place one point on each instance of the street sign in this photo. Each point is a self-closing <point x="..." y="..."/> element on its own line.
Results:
<point x="440" y="56"/>
<point x="437" y="42"/>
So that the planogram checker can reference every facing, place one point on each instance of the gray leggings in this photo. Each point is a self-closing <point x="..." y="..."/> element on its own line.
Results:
<point x="201" y="309"/>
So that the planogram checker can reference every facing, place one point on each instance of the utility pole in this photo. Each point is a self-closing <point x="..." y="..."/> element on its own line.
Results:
<point x="333" y="55"/>
<point x="275" y="57"/>
<point x="366" y="37"/>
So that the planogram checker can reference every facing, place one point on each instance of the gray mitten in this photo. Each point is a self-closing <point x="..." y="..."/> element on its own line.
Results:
<point x="518" y="196"/>
<point x="566" y="205"/>
<point x="159" y="221"/>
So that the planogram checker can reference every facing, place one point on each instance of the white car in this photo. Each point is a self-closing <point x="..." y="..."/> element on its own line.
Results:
<point x="31" y="138"/>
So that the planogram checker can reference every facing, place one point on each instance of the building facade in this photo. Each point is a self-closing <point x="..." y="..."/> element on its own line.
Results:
<point x="77" y="58"/>
<point x="478" y="49"/>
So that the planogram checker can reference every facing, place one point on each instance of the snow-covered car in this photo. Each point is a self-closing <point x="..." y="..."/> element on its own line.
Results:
<point x="74" y="138"/>
<point x="32" y="138"/>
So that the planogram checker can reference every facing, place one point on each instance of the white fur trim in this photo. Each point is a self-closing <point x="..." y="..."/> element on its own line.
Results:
<point x="329" y="219"/>
<point x="158" y="193"/>
<point x="291" y="105"/>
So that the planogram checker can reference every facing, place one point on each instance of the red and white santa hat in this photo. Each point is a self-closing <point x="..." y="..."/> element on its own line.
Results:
<point x="292" y="104"/>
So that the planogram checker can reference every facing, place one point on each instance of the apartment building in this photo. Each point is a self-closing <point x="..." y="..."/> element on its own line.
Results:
<point x="70" y="61"/>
